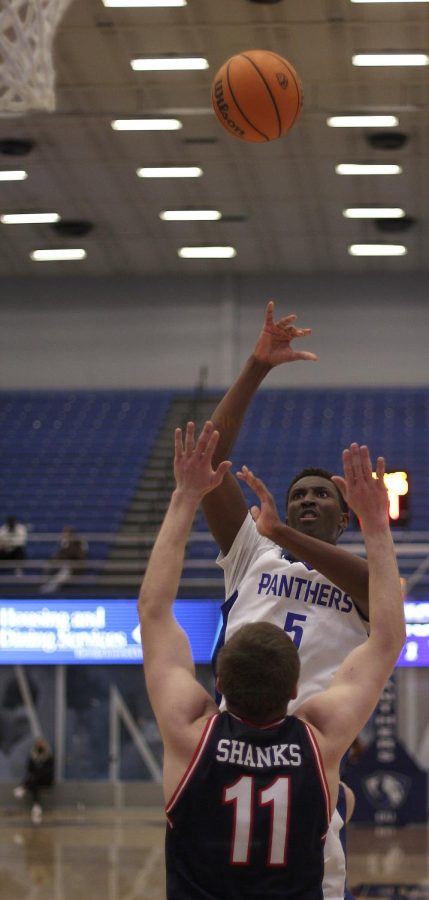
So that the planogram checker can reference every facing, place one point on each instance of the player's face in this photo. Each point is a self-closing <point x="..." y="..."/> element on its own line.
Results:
<point x="314" y="508"/>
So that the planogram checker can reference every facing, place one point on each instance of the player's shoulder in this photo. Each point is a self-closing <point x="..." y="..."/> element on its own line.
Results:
<point x="249" y="539"/>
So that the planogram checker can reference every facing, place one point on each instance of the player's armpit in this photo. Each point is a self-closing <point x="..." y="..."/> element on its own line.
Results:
<point x="340" y="712"/>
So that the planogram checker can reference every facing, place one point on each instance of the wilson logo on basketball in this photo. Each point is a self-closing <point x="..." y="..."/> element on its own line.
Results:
<point x="282" y="80"/>
<point x="224" y="108"/>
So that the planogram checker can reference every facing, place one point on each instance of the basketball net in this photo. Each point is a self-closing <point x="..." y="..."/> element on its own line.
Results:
<point x="27" y="75"/>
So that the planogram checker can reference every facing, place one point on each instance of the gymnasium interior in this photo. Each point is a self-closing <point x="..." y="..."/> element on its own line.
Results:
<point x="130" y="299"/>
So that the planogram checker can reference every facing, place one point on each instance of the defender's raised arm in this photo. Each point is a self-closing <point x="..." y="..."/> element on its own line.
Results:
<point x="340" y="712"/>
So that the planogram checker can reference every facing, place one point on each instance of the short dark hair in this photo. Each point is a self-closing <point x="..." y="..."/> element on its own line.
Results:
<point x="322" y="473"/>
<point x="258" y="669"/>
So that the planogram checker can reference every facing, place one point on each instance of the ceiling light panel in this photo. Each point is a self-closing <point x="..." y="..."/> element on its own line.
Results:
<point x="362" y="121"/>
<point x="169" y="172"/>
<point x="377" y="250"/>
<point x="146" y="124"/>
<point x="390" y="59"/>
<point x="169" y="64"/>
<point x="389" y="1"/>
<point x="29" y="218"/>
<point x="368" y="169"/>
<point x="190" y="215"/>
<point x="58" y="254"/>
<point x="13" y="175"/>
<point x="368" y="212"/>
<point x="207" y="252"/>
<point x="150" y="4"/>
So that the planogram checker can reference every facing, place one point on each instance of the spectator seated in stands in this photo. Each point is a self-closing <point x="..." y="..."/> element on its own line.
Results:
<point x="39" y="774"/>
<point x="60" y="569"/>
<point x="13" y="540"/>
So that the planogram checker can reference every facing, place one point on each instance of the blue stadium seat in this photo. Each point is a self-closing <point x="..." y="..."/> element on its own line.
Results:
<point x="74" y="457"/>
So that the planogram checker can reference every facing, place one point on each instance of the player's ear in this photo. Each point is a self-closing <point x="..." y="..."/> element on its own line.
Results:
<point x="218" y="686"/>
<point x="343" y="523"/>
<point x="294" y="693"/>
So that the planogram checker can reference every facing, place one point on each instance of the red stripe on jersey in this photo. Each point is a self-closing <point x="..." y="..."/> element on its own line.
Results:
<point x="321" y="770"/>
<point x="261" y="726"/>
<point x="193" y="763"/>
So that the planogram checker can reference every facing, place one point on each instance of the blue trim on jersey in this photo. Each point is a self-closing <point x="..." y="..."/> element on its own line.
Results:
<point x="292" y="559"/>
<point x="221" y="632"/>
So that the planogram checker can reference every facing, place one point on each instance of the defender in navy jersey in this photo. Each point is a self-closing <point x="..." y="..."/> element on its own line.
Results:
<point x="248" y="791"/>
<point x="258" y="801"/>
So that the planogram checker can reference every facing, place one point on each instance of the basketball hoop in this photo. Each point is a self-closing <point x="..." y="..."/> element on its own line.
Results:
<point x="27" y="75"/>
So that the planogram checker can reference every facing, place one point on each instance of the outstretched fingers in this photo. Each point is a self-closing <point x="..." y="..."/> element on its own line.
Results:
<point x="358" y="466"/>
<point x="178" y="444"/>
<point x="361" y="462"/>
<point x="285" y="322"/>
<point x="257" y="485"/>
<point x="220" y="472"/>
<point x="340" y="483"/>
<point x="207" y="440"/>
<point x="380" y="469"/>
<point x="189" y="438"/>
<point x="269" y="312"/>
<point x="193" y="460"/>
<point x="305" y="354"/>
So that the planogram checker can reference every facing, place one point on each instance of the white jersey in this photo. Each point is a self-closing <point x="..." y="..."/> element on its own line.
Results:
<point x="261" y="585"/>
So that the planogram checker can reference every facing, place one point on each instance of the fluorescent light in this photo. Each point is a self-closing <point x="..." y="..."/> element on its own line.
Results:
<point x="190" y="215"/>
<point x="362" y="121"/>
<point x="13" y="175"/>
<point x="374" y="213"/>
<point x="146" y="124"/>
<point x="390" y="59"/>
<point x="169" y="63"/>
<point x="53" y="255"/>
<point x="148" y="3"/>
<point x="368" y="169"/>
<point x="377" y="250"/>
<point x="389" y="1"/>
<point x="28" y="218"/>
<point x="207" y="252"/>
<point x="169" y="172"/>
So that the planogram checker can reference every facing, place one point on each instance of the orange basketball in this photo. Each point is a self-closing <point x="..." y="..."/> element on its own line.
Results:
<point x="257" y="96"/>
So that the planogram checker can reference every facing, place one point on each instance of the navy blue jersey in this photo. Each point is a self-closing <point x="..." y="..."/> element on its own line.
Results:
<point x="250" y="815"/>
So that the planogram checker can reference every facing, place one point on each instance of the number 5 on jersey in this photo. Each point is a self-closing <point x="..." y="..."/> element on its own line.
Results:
<point x="294" y="630"/>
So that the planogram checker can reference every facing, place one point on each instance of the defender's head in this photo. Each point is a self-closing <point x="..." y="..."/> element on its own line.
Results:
<point x="257" y="672"/>
<point x="315" y="506"/>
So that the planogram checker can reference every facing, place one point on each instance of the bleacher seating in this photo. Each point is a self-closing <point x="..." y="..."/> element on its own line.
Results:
<point x="285" y="431"/>
<point x="74" y="458"/>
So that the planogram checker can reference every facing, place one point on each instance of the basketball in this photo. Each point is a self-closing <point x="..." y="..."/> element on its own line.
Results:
<point x="257" y="96"/>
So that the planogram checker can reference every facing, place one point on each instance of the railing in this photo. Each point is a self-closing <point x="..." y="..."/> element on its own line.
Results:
<point x="412" y="550"/>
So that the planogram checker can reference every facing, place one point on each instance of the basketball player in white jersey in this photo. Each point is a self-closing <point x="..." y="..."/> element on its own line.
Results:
<point x="249" y="790"/>
<point x="319" y="595"/>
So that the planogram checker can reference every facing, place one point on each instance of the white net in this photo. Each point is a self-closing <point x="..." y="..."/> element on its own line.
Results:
<point x="27" y="75"/>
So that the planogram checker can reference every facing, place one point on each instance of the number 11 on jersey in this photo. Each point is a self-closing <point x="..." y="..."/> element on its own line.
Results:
<point x="277" y="797"/>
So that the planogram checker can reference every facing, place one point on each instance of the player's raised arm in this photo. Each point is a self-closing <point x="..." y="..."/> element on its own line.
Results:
<point x="225" y="509"/>
<point x="340" y="712"/>
<point x="176" y="697"/>
<point x="347" y="571"/>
